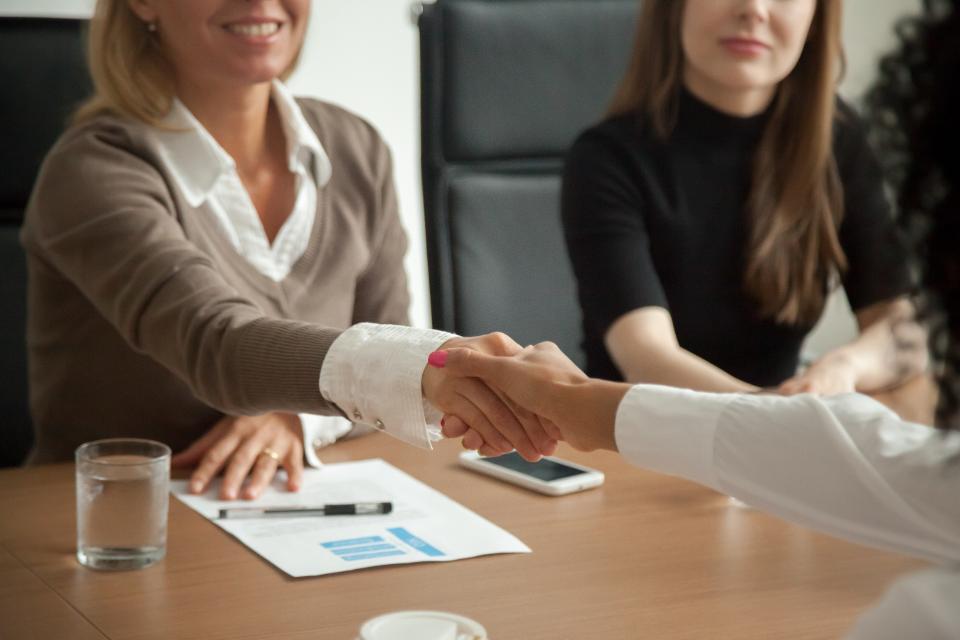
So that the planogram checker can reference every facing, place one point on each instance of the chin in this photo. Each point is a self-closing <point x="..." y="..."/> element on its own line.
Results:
<point x="259" y="74"/>
<point x="260" y="78"/>
<point x="746" y="80"/>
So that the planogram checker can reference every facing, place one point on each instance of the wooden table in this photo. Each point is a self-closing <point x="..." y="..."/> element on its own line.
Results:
<point x="644" y="556"/>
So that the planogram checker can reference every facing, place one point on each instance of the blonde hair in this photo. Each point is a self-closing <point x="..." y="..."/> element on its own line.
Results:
<point x="795" y="204"/>
<point x="131" y="75"/>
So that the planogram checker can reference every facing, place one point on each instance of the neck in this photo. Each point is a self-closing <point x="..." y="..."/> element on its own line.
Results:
<point x="237" y="118"/>
<point x="732" y="101"/>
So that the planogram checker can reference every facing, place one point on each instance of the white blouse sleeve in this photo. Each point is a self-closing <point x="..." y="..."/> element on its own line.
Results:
<point x="845" y="465"/>
<point x="373" y="372"/>
<point x="320" y="432"/>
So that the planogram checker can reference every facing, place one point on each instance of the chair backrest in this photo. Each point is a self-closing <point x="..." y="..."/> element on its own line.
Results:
<point x="44" y="76"/>
<point x="506" y="85"/>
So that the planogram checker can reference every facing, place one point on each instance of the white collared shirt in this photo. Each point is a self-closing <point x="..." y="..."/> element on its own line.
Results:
<point x="845" y="465"/>
<point x="206" y="174"/>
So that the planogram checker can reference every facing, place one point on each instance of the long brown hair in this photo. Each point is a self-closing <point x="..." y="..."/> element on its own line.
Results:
<point x="131" y="76"/>
<point x="795" y="204"/>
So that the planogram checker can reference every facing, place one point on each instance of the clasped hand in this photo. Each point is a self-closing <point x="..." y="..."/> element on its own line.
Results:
<point x="542" y="384"/>
<point x="482" y="409"/>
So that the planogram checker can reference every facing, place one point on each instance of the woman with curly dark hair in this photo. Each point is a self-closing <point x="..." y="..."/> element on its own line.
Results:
<point x="844" y="464"/>
<point x="913" y="108"/>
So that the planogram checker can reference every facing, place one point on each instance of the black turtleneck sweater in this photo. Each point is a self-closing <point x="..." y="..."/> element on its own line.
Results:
<point x="662" y="223"/>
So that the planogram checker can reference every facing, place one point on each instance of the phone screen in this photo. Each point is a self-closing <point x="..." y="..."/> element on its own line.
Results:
<point x="546" y="470"/>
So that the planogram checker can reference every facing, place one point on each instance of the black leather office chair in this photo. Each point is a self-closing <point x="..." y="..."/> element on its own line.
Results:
<point x="44" y="76"/>
<point x="506" y="85"/>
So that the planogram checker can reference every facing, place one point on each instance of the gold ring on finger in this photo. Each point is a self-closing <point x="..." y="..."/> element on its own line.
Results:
<point x="270" y="453"/>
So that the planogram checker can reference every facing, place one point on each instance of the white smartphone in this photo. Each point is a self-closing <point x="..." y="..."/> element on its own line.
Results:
<point x="552" y="476"/>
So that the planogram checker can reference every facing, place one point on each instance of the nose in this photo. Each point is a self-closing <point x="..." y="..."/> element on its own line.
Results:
<point x="753" y="11"/>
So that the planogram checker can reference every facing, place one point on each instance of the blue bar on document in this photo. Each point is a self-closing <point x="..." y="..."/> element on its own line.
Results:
<point x="347" y="551"/>
<point x="415" y="542"/>
<point x="355" y="542"/>
<point x="378" y="554"/>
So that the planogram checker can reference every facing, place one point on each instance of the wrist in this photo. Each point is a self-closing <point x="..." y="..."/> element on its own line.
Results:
<point x="846" y="360"/>
<point x="292" y="422"/>
<point x="597" y="402"/>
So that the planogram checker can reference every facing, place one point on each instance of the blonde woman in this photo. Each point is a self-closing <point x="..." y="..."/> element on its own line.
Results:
<point x="728" y="189"/>
<point x="213" y="262"/>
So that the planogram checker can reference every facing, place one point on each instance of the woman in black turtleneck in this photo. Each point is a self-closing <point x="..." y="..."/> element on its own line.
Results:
<point x="708" y="216"/>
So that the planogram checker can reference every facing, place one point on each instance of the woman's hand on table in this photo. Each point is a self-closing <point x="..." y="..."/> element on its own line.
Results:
<point x="246" y="449"/>
<point x="890" y="350"/>
<point x="831" y="375"/>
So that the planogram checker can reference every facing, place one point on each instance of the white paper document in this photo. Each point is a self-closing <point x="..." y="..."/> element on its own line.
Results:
<point x="424" y="526"/>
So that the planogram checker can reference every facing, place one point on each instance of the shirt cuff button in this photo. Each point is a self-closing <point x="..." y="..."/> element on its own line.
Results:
<point x="379" y="424"/>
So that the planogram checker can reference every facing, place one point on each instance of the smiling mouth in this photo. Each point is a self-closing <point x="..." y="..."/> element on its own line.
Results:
<point x="259" y="29"/>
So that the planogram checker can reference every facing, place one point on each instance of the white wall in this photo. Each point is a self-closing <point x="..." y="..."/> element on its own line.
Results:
<point x="56" y="8"/>
<point x="363" y="54"/>
<point x="868" y="33"/>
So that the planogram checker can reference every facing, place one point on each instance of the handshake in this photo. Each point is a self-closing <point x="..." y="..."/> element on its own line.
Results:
<point x="498" y="396"/>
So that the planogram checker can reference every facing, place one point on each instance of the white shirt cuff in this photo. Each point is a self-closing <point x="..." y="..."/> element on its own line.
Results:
<point x="373" y="373"/>
<point x="320" y="432"/>
<point x="671" y="430"/>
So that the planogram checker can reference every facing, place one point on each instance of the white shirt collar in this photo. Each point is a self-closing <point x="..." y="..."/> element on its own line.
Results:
<point x="197" y="161"/>
<point x="301" y="140"/>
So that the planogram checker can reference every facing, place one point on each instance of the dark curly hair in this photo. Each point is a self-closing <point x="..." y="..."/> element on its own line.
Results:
<point x="914" y="109"/>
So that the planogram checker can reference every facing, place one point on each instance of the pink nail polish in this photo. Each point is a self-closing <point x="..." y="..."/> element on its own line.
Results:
<point x="437" y="359"/>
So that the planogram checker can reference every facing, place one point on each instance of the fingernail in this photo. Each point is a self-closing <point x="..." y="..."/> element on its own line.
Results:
<point x="196" y="486"/>
<point x="437" y="359"/>
<point x="230" y="495"/>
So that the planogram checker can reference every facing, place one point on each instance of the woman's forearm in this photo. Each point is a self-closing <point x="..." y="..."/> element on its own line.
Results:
<point x="590" y="409"/>
<point x="677" y="367"/>
<point x="644" y="346"/>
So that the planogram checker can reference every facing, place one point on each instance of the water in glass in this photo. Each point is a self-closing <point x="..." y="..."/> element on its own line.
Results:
<point x="121" y="511"/>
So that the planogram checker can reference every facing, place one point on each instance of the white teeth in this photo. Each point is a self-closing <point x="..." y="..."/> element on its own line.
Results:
<point x="259" y="29"/>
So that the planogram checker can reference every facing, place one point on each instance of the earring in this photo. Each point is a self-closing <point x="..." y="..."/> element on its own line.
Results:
<point x="152" y="27"/>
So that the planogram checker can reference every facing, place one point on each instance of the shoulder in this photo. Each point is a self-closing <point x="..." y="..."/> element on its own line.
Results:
<point x="101" y="164"/>
<point x="361" y="163"/>
<point x="614" y="142"/>
<point x="94" y="151"/>
<point x="100" y="135"/>
<point x="849" y="135"/>
<point x="89" y="154"/>
<point x="619" y="132"/>
<point x="340" y="130"/>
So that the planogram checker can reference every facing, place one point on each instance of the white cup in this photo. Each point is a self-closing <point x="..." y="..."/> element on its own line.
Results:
<point x="422" y="625"/>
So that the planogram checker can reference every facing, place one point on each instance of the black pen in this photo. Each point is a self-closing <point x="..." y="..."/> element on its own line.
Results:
<point x="354" y="509"/>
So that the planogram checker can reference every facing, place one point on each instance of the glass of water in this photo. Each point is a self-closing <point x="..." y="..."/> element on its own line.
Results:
<point x="122" y="494"/>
